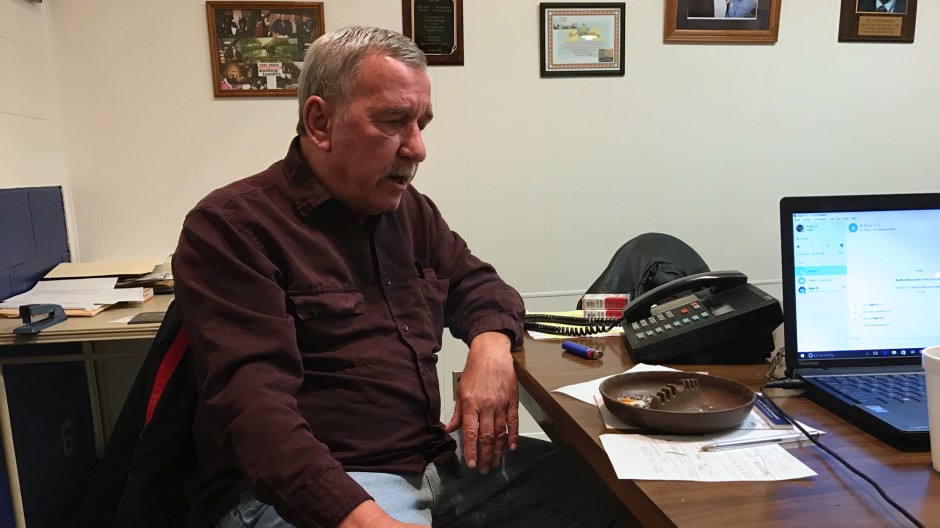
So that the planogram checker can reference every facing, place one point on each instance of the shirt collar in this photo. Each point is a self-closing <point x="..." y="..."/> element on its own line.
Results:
<point x="306" y="190"/>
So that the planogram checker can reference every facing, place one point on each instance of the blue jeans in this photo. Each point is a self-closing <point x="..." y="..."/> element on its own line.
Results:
<point x="534" y="487"/>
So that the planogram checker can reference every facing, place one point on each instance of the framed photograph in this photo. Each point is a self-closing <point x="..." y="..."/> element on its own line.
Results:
<point x="735" y="21"/>
<point x="583" y="40"/>
<point x="436" y="26"/>
<point x="257" y="48"/>
<point x="877" y="20"/>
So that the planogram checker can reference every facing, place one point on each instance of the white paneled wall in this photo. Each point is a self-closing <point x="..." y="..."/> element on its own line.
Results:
<point x="30" y="148"/>
<point x="544" y="177"/>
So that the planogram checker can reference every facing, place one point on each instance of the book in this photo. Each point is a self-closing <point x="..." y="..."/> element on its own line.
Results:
<point x="770" y="414"/>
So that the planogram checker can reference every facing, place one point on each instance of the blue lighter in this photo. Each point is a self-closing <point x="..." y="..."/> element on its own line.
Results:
<point x="581" y="350"/>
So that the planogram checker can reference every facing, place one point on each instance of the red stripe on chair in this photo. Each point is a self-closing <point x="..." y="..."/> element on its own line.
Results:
<point x="167" y="366"/>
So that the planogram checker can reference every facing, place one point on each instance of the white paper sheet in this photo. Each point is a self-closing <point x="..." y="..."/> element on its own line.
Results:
<point x="674" y="457"/>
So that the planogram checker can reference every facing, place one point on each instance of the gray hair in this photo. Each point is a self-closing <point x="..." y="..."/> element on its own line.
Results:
<point x="331" y="65"/>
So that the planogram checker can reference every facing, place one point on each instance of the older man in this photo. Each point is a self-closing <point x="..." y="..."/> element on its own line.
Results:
<point x="882" y="6"/>
<point x="315" y="294"/>
<point x="741" y="9"/>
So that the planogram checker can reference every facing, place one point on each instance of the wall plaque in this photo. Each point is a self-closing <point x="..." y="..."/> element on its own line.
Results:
<point x="868" y="21"/>
<point x="436" y="26"/>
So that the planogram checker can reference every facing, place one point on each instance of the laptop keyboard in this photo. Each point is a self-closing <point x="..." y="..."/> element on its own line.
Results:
<point x="881" y="388"/>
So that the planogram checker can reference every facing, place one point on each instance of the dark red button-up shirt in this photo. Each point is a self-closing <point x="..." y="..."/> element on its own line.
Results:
<point x="315" y="339"/>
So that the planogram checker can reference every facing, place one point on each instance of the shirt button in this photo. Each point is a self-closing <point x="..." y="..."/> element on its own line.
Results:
<point x="388" y="282"/>
<point x="404" y="327"/>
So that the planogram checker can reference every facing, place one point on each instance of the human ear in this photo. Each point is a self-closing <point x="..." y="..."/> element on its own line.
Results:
<point x="318" y="121"/>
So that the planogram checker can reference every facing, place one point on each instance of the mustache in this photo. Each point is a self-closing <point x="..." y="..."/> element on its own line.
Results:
<point x="406" y="171"/>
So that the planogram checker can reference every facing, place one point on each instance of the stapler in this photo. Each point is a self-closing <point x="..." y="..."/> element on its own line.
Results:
<point x="53" y="312"/>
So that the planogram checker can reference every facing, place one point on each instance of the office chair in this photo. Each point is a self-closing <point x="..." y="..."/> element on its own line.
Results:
<point x="150" y="455"/>
<point x="645" y="262"/>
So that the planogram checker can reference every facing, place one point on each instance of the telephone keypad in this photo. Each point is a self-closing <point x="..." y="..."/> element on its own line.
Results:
<point x="675" y="319"/>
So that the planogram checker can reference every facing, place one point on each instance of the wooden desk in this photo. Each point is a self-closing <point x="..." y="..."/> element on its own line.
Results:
<point x="96" y="328"/>
<point x="835" y="497"/>
<point x="73" y="330"/>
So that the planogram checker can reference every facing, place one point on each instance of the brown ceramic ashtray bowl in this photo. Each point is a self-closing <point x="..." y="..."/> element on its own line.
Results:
<point x="678" y="402"/>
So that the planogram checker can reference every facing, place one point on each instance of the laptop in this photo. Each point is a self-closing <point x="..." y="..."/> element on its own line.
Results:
<point x="861" y="294"/>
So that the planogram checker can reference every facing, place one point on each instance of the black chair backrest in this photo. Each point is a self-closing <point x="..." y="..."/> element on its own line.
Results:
<point x="150" y="454"/>
<point x="645" y="262"/>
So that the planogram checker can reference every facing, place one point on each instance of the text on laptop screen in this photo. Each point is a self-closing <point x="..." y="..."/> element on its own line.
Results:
<point x="866" y="283"/>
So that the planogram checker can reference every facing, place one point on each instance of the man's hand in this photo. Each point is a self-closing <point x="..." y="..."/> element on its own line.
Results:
<point x="487" y="402"/>
<point x="369" y="515"/>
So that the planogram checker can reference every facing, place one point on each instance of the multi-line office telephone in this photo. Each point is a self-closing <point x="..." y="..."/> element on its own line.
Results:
<point x="720" y="319"/>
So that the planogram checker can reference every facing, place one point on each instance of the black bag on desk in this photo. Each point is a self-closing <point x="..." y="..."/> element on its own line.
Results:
<point x="645" y="262"/>
<point x="150" y="455"/>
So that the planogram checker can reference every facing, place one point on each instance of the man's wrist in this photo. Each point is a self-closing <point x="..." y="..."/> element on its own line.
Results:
<point x="496" y="335"/>
<point x="366" y="514"/>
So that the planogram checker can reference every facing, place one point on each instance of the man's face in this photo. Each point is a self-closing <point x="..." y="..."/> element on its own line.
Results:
<point x="232" y="73"/>
<point x="375" y="139"/>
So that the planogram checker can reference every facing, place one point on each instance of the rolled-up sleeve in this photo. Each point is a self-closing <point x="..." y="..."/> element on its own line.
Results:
<point x="478" y="299"/>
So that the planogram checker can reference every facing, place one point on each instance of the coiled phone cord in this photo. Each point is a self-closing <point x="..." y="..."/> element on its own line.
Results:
<point x="577" y="326"/>
<point x="794" y="384"/>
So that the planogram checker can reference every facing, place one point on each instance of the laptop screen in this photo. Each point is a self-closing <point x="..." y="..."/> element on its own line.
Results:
<point x="861" y="278"/>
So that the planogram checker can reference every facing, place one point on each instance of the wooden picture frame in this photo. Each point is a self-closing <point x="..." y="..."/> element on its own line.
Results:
<point x="257" y="48"/>
<point x="581" y="39"/>
<point x="860" y="21"/>
<point x="436" y="26"/>
<point x="742" y="21"/>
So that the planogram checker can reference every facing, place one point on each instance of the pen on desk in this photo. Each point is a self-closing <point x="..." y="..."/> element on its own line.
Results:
<point x="581" y="350"/>
<point x="752" y="442"/>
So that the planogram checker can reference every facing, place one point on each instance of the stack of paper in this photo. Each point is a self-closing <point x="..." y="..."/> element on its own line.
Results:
<point x="85" y="270"/>
<point x="78" y="296"/>
<point x="130" y="273"/>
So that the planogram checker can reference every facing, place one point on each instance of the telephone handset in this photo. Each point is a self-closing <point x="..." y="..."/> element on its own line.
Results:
<point x="719" y="280"/>
<point x="726" y="320"/>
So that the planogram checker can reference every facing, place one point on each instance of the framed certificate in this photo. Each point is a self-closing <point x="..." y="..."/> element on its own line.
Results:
<point x="583" y="40"/>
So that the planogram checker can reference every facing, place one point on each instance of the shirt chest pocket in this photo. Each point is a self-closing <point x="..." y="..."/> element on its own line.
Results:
<point x="327" y="303"/>
<point x="333" y="330"/>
